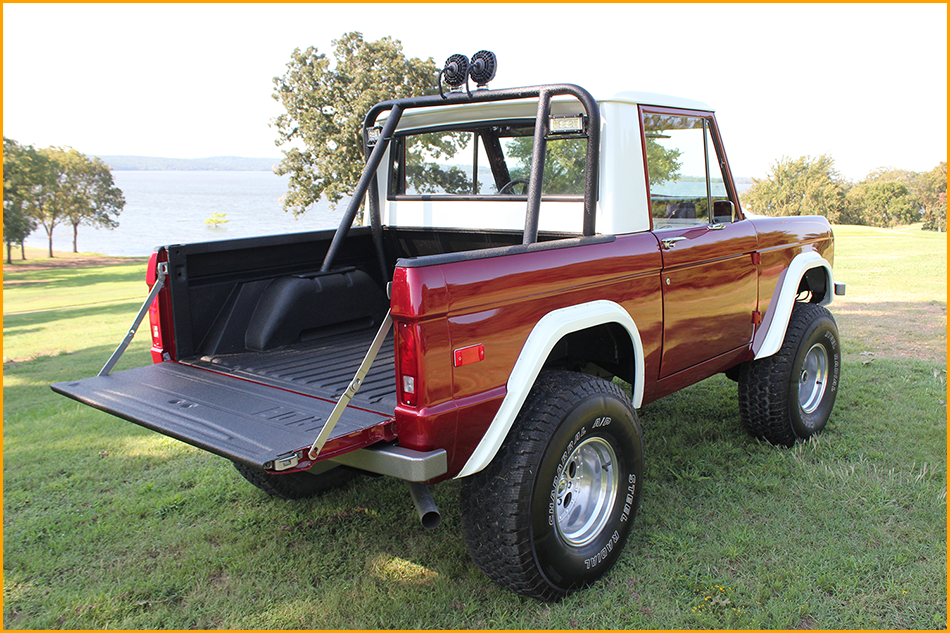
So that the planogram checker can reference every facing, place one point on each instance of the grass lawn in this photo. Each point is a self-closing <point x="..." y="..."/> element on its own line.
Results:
<point x="108" y="525"/>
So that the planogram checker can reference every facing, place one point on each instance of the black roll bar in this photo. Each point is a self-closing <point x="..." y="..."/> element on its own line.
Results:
<point x="542" y="93"/>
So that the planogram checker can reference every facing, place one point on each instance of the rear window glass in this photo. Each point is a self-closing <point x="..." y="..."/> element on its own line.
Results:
<point x="493" y="161"/>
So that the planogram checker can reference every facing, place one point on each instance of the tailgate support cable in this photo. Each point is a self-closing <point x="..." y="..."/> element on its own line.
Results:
<point x="351" y="390"/>
<point x="159" y="283"/>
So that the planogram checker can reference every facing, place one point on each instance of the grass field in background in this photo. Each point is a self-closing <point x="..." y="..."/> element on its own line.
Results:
<point x="108" y="525"/>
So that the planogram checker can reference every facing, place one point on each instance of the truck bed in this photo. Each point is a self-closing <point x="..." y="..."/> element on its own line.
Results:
<point x="321" y="368"/>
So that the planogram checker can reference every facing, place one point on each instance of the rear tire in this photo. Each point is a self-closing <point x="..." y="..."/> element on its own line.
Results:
<point x="553" y="509"/>
<point x="789" y="396"/>
<point x="296" y="485"/>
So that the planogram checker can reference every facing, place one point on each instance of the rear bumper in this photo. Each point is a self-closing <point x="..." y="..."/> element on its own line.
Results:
<point x="396" y="461"/>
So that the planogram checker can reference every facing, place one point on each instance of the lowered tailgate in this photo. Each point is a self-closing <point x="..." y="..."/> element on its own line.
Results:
<point x="244" y="421"/>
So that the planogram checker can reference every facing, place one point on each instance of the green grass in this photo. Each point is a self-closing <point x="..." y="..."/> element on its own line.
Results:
<point x="108" y="525"/>
<point x="904" y="264"/>
<point x="45" y="289"/>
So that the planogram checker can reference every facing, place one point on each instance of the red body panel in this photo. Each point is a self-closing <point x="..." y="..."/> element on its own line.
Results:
<point x="496" y="302"/>
<point x="699" y="324"/>
<point x="709" y="293"/>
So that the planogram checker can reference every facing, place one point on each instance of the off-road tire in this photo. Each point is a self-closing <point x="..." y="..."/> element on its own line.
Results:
<point x="525" y="517"/>
<point x="296" y="485"/>
<point x="789" y="396"/>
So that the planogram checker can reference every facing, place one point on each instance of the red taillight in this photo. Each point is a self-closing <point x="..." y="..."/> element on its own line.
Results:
<point x="161" y="349"/>
<point x="407" y="359"/>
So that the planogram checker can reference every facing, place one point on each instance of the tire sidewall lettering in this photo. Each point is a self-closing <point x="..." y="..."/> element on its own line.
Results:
<point x="821" y="331"/>
<point x="568" y="566"/>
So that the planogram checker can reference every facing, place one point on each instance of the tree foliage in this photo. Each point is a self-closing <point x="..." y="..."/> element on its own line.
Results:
<point x="82" y="192"/>
<point x="564" y="163"/>
<point x="93" y="198"/>
<point x="804" y="186"/>
<point x="887" y="197"/>
<point x="24" y="170"/>
<point x="325" y="102"/>
<point x="880" y="203"/>
<point x="933" y="197"/>
<point x="423" y="174"/>
<point x="53" y="186"/>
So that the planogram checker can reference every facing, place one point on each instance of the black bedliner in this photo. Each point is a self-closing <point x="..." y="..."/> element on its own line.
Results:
<point x="321" y="368"/>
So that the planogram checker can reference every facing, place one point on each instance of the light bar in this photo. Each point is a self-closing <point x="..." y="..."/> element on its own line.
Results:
<point x="570" y="124"/>
<point x="373" y="134"/>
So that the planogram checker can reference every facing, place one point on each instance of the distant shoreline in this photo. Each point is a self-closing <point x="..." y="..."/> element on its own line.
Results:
<point x="211" y="163"/>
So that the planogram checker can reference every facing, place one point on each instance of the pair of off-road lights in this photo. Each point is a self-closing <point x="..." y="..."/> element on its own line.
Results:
<point x="458" y="69"/>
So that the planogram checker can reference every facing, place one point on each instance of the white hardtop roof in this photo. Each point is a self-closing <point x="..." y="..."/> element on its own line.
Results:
<point x="656" y="99"/>
<point x="527" y="108"/>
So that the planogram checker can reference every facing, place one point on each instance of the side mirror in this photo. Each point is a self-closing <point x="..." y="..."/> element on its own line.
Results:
<point x="724" y="211"/>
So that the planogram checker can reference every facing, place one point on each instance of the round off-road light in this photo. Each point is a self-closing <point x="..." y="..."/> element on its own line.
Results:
<point x="483" y="67"/>
<point x="455" y="70"/>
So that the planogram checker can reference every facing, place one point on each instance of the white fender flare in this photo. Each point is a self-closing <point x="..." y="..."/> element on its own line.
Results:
<point x="785" y="301"/>
<point x="549" y="330"/>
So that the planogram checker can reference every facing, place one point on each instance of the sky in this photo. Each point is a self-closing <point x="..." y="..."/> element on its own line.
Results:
<point x="865" y="83"/>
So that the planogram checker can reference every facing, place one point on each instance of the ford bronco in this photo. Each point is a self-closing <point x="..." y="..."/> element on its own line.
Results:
<point x="537" y="264"/>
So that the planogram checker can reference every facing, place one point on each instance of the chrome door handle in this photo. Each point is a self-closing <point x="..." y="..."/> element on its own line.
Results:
<point x="718" y="226"/>
<point x="670" y="242"/>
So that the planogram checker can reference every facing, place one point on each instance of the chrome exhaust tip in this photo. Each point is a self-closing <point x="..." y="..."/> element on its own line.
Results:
<point x="425" y="506"/>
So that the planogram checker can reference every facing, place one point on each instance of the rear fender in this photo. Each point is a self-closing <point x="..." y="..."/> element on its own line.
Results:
<point x="537" y="348"/>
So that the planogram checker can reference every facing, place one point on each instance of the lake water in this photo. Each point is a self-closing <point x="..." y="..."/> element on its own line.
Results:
<point x="170" y="207"/>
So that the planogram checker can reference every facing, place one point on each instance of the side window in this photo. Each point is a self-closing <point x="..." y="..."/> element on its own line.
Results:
<point x="686" y="183"/>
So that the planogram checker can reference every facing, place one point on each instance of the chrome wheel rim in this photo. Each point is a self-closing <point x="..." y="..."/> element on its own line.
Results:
<point x="813" y="379"/>
<point x="586" y="490"/>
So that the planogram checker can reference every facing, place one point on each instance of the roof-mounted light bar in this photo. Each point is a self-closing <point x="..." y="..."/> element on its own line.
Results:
<point x="566" y="124"/>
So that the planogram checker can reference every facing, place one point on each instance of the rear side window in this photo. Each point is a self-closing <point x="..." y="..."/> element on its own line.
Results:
<point x="687" y="187"/>
<point x="488" y="161"/>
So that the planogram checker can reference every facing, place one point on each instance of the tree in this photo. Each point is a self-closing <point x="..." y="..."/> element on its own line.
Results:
<point x="933" y="197"/>
<point x="326" y="102"/>
<point x="24" y="170"/>
<point x="564" y="163"/>
<point x="805" y="186"/>
<point x="881" y="203"/>
<point x="81" y="192"/>
<point x="94" y="200"/>
<point x="217" y="218"/>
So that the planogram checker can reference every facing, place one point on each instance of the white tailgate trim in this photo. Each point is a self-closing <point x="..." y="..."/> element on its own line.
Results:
<point x="549" y="330"/>
<point x="802" y="263"/>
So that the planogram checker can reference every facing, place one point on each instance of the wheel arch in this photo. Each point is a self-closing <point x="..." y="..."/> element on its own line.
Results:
<point x="558" y="328"/>
<point x="807" y="271"/>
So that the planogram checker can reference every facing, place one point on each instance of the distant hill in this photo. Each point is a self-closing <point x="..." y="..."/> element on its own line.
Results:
<point x="213" y="163"/>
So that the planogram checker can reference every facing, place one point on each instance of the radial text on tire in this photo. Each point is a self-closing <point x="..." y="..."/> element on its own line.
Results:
<point x="553" y="509"/>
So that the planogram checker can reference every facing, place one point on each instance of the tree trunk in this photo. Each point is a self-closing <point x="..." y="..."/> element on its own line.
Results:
<point x="75" y="236"/>
<point x="50" y="233"/>
<point x="9" y="253"/>
<point x="22" y="251"/>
